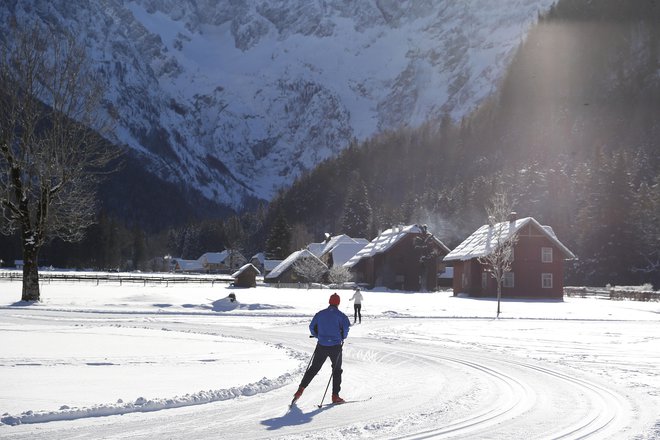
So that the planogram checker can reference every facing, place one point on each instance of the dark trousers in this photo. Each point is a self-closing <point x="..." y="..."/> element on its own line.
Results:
<point x="358" y="312"/>
<point x="321" y="353"/>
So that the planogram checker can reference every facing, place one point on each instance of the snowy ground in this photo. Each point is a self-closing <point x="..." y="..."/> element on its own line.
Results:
<point x="154" y="362"/>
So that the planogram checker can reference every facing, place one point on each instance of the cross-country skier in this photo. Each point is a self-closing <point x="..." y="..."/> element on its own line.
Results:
<point x="357" y="305"/>
<point x="330" y="327"/>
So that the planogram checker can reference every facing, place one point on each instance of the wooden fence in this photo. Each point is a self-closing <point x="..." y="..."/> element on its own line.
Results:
<point x="119" y="278"/>
<point x="612" y="294"/>
<point x="297" y="285"/>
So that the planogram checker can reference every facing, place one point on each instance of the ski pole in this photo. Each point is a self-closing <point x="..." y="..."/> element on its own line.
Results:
<point x="332" y="373"/>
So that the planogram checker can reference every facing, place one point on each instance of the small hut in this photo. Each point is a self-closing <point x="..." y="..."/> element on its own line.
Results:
<point x="246" y="276"/>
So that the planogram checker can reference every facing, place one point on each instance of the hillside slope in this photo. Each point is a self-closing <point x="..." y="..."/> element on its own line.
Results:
<point x="237" y="99"/>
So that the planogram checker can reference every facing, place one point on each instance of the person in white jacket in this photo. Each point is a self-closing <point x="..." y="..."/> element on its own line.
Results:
<point x="357" y="305"/>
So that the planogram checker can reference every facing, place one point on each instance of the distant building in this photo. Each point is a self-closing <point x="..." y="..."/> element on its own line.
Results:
<point x="181" y="265"/>
<point x="226" y="261"/>
<point x="401" y="258"/>
<point x="285" y="271"/>
<point x="537" y="270"/>
<point x="246" y="276"/>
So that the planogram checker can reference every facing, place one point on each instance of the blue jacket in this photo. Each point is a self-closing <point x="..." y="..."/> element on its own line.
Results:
<point x="330" y="326"/>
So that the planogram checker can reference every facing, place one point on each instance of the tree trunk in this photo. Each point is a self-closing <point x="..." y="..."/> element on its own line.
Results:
<point x="30" y="274"/>
<point x="424" y="284"/>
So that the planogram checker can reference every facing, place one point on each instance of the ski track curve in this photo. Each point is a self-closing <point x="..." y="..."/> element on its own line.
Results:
<point x="516" y="398"/>
<point x="611" y="405"/>
<point x="446" y="393"/>
<point x="606" y="416"/>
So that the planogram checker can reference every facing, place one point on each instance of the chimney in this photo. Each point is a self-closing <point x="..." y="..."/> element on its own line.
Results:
<point x="513" y="216"/>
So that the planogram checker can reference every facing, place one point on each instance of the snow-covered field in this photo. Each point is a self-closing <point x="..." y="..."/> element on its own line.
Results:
<point x="181" y="361"/>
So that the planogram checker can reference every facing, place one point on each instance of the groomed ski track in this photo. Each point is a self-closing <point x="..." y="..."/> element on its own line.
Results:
<point x="422" y="387"/>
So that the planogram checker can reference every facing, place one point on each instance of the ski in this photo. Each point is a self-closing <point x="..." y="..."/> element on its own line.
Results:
<point x="345" y="402"/>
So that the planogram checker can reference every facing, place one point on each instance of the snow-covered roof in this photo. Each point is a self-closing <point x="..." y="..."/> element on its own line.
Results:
<point x="188" y="265"/>
<point x="485" y="239"/>
<point x="284" y="265"/>
<point x="271" y="264"/>
<point x="260" y="257"/>
<point x="345" y="251"/>
<point x="244" y="268"/>
<point x="214" y="257"/>
<point x="386" y="240"/>
<point x="320" y="249"/>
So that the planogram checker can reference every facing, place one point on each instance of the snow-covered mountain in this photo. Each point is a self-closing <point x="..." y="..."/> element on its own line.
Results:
<point x="238" y="98"/>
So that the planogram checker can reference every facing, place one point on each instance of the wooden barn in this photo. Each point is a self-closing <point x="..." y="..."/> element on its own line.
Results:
<point x="401" y="258"/>
<point x="246" y="276"/>
<point x="537" y="269"/>
<point x="285" y="272"/>
<point x="226" y="261"/>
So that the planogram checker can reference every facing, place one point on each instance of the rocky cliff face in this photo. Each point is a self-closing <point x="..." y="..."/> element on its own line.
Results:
<point x="238" y="98"/>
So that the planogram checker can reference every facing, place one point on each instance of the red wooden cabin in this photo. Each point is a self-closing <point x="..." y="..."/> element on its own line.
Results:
<point x="537" y="269"/>
<point x="401" y="258"/>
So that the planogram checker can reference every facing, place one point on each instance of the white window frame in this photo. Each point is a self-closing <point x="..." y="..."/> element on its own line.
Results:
<point x="546" y="281"/>
<point x="509" y="280"/>
<point x="546" y="255"/>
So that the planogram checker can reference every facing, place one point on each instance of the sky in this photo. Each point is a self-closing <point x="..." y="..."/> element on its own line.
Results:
<point x="182" y="361"/>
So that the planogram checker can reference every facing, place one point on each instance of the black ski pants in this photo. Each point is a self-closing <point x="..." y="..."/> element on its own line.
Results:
<point x="321" y="353"/>
<point x="358" y="313"/>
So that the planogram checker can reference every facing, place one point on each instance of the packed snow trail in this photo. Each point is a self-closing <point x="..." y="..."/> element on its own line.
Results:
<point x="422" y="386"/>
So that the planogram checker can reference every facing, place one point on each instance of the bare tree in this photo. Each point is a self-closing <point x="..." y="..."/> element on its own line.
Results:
<point x="500" y="240"/>
<point x="310" y="268"/>
<point x="339" y="275"/>
<point x="50" y="159"/>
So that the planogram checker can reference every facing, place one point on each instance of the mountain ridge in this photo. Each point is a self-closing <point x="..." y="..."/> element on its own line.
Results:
<point x="237" y="100"/>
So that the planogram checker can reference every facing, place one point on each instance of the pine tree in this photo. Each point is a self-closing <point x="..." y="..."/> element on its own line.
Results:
<point x="646" y="215"/>
<point x="191" y="248"/>
<point x="235" y="236"/>
<point x="139" y="249"/>
<point x="617" y="252"/>
<point x="357" y="216"/>
<point x="605" y="228"/>
<point x="279" y="239"/>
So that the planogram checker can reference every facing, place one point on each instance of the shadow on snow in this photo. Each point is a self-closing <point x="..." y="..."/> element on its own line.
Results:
<point x="293" y="417"/>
